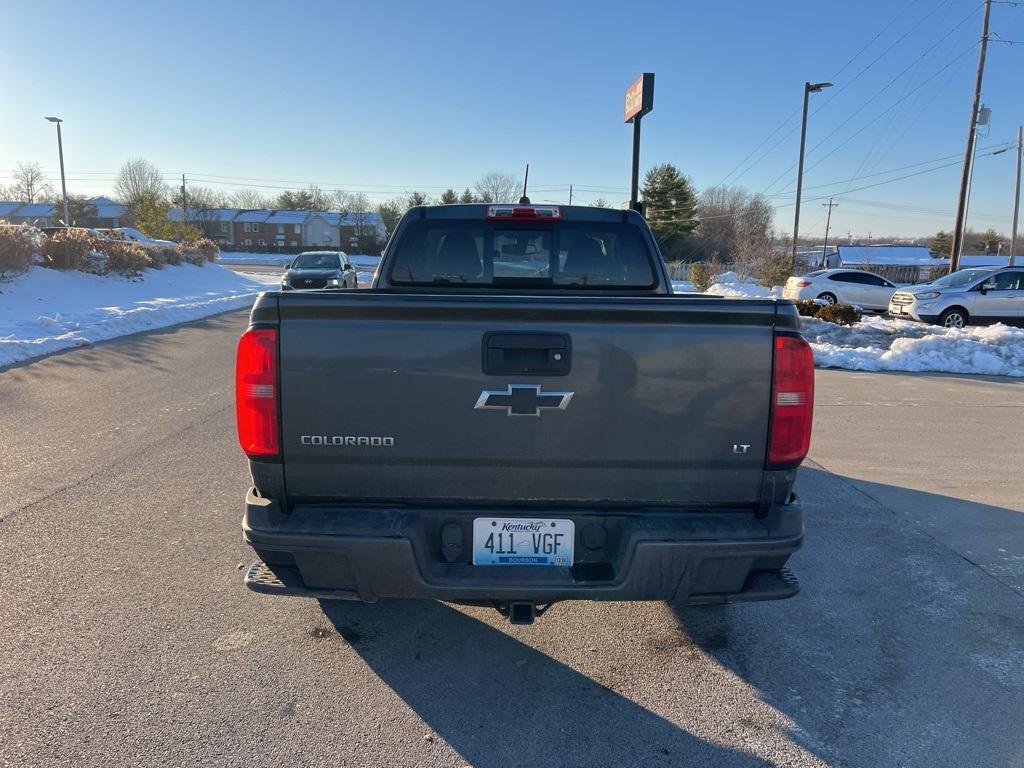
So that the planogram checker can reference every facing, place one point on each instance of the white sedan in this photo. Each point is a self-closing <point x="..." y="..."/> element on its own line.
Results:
<point x="847" y="286"/>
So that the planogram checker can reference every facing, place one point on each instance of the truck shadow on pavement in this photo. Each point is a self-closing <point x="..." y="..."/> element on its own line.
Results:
<point x="897" y="647"/>
<point x="500" y="702"/>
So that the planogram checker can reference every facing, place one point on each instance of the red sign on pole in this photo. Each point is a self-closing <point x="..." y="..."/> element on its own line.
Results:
<point x="639" y="97"/>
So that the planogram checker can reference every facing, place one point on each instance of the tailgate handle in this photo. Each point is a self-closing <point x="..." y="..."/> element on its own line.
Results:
<point x="547" y="354"/>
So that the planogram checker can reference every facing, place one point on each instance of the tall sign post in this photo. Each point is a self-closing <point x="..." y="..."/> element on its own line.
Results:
<point x="639" y="101"/>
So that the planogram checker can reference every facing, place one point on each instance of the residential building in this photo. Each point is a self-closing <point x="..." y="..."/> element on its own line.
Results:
<point x="321" y="230"/>
<point x="286" y="228"/>
<point x="39" y="214"/>
<point x="7" y="209"/>
<point x="216" y="223"/>
<point x="250" y="229"/>
<point x="109" y="213"/>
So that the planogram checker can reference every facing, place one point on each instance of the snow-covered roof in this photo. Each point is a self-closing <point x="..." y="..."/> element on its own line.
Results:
<point x="248" y="217"/>
<point x="204" y="214"/>
<point x="35" y="210"/>
<point x="850" y="255"/>
<point x="331" y="217"/>
<point x="7" y="208"/>
<point x="369" y="219"/>
<point x="107" y="208"/>
<point x="288" y="217"/>
<point x="984" y="260"/>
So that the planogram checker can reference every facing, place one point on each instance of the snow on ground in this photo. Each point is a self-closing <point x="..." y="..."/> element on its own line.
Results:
<point x="45" y="310"/>
<point x="888" y="344"/>
<point x="262" y="259"/>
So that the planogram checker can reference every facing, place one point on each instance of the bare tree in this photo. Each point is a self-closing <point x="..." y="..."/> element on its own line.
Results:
<point x="498" y="187"/>
<point x="341" y="201"/>
<point x="29" y="184"/>
<point x="202" y="204"/>
<point x="249" y="198"/>
<point x="137" y="180"/>
<point x="359" y="208"/>
<point x="735" y="223"/>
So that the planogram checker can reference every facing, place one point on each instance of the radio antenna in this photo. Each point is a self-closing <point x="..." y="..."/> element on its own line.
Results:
<point x="524" y="200"/>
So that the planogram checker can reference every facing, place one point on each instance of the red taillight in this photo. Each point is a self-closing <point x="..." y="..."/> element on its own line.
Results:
<point x="792" y="402"/>
<point x="256" y="393"/>
<point x="802" y="283"/>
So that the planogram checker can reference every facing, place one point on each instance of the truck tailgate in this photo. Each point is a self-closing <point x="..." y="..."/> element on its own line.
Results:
<point x="662" y="400"/>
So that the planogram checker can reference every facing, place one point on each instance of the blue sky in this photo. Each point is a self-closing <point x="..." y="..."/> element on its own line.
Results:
<point x="388" y="97"/>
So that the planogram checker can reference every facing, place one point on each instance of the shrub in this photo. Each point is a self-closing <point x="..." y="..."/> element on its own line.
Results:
<point x="168" y="254"/>
<point x="200" y="251"/>
<point x="700" y="275"/>
<point x="157" y="257"/>
<point x="843" y="314"/>
<point x="69" y="249"/>
<point x="808" y="307"/>
<point x="17" y="244"/>
<point x="207" y="249"/>
<point x="126" y="258"/>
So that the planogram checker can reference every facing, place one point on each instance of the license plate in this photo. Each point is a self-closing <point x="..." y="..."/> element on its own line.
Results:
<point x="522" y="541"/>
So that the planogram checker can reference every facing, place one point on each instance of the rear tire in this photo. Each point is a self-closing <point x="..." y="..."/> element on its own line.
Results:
<point x="954" y="317"/>
<point x="829" y="298"/>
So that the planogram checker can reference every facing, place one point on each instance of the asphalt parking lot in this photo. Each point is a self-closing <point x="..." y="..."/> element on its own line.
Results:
<point x="128" y="638"/>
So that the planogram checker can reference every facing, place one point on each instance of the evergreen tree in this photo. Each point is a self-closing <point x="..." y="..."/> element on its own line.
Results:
<point x="312" y="199"/>
<point x="390" y="212"/>
<point x="989" y="241"/>
<point x="940" y="245"/>
<point x="467" y="197"/>
<point x="449" y="196"/>
<point x="670" y="206"/>
<point x="416" y="198"/>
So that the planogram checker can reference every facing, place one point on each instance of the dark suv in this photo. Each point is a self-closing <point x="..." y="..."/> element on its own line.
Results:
<point x="319" y="269"/>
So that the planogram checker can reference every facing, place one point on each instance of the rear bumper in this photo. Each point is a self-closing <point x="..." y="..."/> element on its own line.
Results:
<point x="364" y="554"/>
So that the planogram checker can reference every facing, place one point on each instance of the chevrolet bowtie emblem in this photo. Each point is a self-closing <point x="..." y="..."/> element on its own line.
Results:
<point x="523" y="399"/>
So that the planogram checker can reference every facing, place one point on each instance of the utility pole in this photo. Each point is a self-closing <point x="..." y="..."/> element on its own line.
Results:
<point x="961" y="205"/>
<point x="570" y="194"/>
<point x="1016" y="200"/>
<point x="828" y="221"/>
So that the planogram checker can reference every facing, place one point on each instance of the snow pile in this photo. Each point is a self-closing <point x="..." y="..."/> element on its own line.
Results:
<point x="743" y="290"/>
<point x="45" y="310"/>
<point x="683" y="286"/>
<point x="887" y="344"/>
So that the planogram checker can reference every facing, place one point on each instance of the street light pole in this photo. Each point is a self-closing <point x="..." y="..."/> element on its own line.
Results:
<point x="1016" y="199"/>
<point x="63" y="183"/>
<point x="809" y="88"/>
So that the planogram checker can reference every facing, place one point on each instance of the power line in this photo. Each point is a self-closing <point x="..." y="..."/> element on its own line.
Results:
<point x="829" y="100"/>
<point x="867" y="125"/>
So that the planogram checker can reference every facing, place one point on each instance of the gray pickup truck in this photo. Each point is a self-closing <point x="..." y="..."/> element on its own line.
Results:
<point x="519" y="411"/>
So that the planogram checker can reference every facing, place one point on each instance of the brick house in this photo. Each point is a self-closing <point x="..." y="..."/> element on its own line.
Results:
<point x="251" y="230"/>
<point x="286" y="228"/>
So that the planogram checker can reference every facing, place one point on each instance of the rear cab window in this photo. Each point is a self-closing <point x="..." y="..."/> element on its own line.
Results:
<point x="482" y="253"/>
